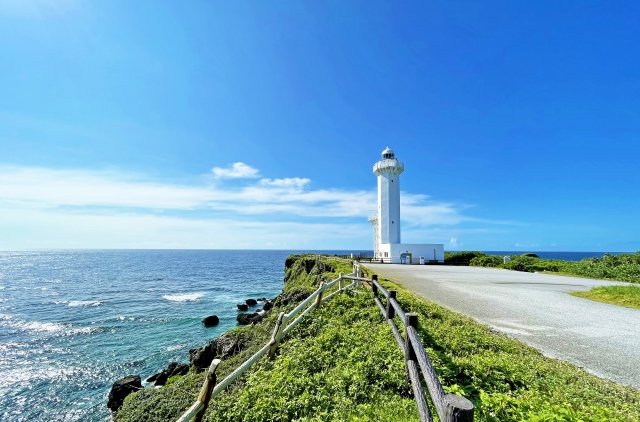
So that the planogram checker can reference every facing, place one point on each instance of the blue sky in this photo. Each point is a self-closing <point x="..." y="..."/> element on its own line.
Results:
<point x="255" y="124"/>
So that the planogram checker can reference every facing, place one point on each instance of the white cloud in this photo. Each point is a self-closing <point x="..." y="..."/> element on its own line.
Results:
<point x="237" y="170"/>
<point x="120" y="209"/>
<point x="288" y="182"/>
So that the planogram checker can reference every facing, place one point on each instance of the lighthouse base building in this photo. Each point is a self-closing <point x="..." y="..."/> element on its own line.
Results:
<point x="387" y="246"/>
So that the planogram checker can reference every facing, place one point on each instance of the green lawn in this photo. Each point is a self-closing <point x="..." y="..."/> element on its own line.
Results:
<point x="628" y="296"/>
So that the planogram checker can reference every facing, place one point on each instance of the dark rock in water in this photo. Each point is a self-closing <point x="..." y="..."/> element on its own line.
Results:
<point x="251" y="302"/>
<point x="174" y="368"/>
<point x="211" y="321"/>
<point x="222" y="347"/>
<point x="121" y="389"/>
<point x="245" y="319"/>
<point x="242" y="306"/>
<point x="267" y="306"/>
<point x="262" y="299"/>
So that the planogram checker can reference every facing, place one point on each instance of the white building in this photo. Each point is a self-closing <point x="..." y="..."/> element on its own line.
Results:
<point x="387" y="245"/>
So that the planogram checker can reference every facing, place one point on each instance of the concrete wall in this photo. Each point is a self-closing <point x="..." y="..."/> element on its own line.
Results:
<point x="430" y="252"/>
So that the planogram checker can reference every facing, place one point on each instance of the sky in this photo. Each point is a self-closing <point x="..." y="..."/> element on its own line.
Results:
<point x="253" y="124"/>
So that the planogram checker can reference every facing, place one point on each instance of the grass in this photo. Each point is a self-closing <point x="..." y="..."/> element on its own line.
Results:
<point x="342" y="363"/>
<point x="628" y="296"/>
<point x="624" y="267"/>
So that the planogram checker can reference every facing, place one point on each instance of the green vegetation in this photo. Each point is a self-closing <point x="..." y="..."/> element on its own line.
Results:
<point x="461" y="258"/>
<point x="628" y="296"/>
<point x="342" y="363"/>
<point x="625" y="267"/>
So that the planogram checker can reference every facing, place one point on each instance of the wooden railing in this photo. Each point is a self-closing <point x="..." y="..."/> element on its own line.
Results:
<point x="210" y="389"/>
<point x="449" y="407"/>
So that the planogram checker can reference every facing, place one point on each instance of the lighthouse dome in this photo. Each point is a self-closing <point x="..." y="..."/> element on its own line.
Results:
<point x="388" y="154"/>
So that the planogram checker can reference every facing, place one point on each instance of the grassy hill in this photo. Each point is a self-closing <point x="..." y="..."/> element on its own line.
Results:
<point x="342" y="363"/>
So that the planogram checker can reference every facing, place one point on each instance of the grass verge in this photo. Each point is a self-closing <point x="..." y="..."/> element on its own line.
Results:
<point x="342" y="364"/>
<point x="628" y="296"/>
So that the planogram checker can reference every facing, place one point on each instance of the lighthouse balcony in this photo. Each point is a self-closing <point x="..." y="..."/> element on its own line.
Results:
<point x="388" y="166"/>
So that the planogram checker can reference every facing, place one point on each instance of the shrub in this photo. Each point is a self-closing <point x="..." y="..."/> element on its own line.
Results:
<point x="522" y="263"/>
<point x="486" y="261"/>
<point x="461" y="258"/>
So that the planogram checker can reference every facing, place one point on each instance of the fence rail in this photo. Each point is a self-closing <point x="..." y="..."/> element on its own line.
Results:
<point x="210" y="389"/>
<point x="449" y="407"/>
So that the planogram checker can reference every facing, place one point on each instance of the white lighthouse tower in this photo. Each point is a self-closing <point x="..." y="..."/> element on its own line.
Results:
<point x="387" y="245"/>
<point x="388" y="170"/>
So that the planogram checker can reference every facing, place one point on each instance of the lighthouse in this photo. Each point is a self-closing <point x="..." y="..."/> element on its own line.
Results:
<point x="387" y="245"/>
<point x="388" y="170"/>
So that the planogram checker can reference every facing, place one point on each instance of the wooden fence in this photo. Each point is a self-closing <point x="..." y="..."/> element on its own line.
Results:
<point x="210" y="389"/>
<point x="449" y="407"/>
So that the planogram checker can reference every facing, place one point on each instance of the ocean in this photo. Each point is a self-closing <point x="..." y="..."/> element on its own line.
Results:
<point x="72" y="322"/>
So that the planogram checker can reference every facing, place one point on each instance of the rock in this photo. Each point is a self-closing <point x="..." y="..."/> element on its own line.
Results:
<point x="211" y="321"/>
<point x="174" y="368"/>
<point x="242" y="306"/>
<point x="222" y="347"/>
<point x="251" y="302"/>
<point x="201" y="358"/>
<point x="246" y="318"/>
<point x="257" y="317"/>
<point x="262" y="299"/>
<point x="268" y="305"/>
<point x="121" y="389"/>
<point x="291" y="297"/>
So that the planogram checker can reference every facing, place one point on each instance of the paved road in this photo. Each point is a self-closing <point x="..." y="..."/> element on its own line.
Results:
<point x="536" y="309"/>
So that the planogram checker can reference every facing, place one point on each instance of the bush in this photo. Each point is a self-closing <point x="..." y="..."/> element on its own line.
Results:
<point x="486" y="261"/>
<point x="461" y="258"/>
<point x="522" y="263"/>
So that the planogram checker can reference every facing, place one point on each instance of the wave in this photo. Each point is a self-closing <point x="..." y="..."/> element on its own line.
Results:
<point x="184" y="297"/>
<point x="83" y="303"/>
<point x="79" y="303"/>
<point x="10" y="321"/>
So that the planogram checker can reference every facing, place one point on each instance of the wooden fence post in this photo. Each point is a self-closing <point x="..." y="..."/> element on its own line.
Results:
<point x="374" y="280"/>
<point x="458" y="409"/>
<point x="275" y="337"/>
<point x="341" y="282"/>
<point x="319" y="297"/>
<point x="207" y="387"/>
<point x="390" y="311"/>
<point x="409" y="353"/>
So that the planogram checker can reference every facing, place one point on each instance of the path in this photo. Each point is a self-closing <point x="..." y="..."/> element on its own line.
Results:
<point x="536" y="309"/>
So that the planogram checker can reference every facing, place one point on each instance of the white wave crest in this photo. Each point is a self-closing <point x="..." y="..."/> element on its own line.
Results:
<point x="175" y="347"/>
<point x="184" y="297"/>
<point x="10" y="321"/>
<point x="83" y="303"/>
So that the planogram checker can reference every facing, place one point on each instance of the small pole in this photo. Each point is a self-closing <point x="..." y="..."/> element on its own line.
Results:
<point x="341" y="282"/>
<point x="275" y="337"/>
<point x="390" y="311"/>
<point x="207" y="388"/>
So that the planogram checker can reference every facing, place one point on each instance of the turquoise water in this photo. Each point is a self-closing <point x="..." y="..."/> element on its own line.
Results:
<point x="71" y="323"/>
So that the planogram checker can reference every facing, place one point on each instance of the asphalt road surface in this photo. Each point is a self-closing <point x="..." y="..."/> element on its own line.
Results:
<point x="538" y="310"/>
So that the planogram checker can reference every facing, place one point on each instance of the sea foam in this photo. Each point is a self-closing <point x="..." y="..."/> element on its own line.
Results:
<point x="184" y="297"/>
